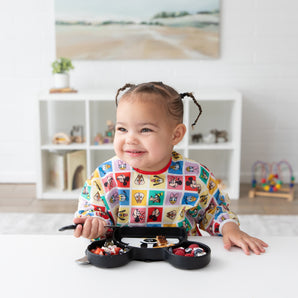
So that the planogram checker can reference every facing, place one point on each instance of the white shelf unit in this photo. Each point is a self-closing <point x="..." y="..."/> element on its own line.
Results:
<point x="222" y="110"/>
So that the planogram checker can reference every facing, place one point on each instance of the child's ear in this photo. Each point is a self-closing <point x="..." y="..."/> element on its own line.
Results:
<point x="178" y="133"/>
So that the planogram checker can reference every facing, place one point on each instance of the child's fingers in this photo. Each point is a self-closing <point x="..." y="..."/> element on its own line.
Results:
<point x="94" y="229"/>
<point x="78" y="231"/>
<point x="87" y="227"/>
<point x="227" y="243"/>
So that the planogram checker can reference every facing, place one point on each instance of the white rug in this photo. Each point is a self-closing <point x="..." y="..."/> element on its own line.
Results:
<point x="49" y="223"/>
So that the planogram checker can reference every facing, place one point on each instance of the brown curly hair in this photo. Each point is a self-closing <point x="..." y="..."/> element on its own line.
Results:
<point x="173" y="99"/>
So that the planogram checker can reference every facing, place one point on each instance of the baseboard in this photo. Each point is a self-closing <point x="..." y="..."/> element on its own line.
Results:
<point x="17" y="177"/>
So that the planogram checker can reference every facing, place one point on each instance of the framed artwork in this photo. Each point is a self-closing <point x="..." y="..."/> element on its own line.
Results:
<point x="137" y="29"/>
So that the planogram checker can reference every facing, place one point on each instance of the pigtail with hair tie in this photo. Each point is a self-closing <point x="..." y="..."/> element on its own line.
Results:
<point x="122" y="89"/>
<point x="189" y="94"/>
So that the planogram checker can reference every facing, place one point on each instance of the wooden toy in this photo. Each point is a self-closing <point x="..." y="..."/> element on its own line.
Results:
<point x="108" y="137"/>
<point x="61" y="138"/>
<point x="271" y="180"/>
<point x="77" y="134"/>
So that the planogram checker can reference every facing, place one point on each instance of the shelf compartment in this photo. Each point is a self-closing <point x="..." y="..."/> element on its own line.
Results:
<point x="55" y="118"/>
<point x="99" y="113"/>
<point x="216" y="115"/>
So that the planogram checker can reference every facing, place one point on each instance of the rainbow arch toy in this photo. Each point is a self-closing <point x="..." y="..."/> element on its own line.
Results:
<point x="275" y="180"/>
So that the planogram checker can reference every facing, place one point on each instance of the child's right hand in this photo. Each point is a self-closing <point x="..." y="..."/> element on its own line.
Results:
<point x="93" y="227"/>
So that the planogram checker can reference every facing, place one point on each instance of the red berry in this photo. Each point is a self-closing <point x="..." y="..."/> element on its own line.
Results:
<point x="180" y="252"/>
<point x="117" y="249"/>
<point x="189" y="255"/>
<point x="193" y="245"/>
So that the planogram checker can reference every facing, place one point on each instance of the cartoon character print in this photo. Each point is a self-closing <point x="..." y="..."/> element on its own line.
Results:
<point x="212" y="185"/>
<point x="105" y="168"/>
<point x="212" y="207"/>
<point x="109" y="183"/>
<point x="121" y="165"/>
<point x="195" y="211"/>
<point x="190" y="198"/>
<point x="173" y="198"/>
<point x="101" y="212"/>
<point x="112" y="198"/>
<point x="138" y="215"/>
<point x="191" y="183"/>
<point x="154" y="214"/>
<point x="176" y="156"/>
<point x="139" y="197"/>
<point x="123" y="215"/>
<point x="175" y="182"/>
<point x="172" y="214"/>
<point x="204" y="175"/>
<point x="123" y="195"/>
<point x="176" y="167"/>
<point x="85" y="193"/>
<point x="139" y="180"/>
<point x="157" y="181"/>
<point x="156" y="197"/>
<point x="185" y="224"/>
<point x="97" y="188"/>
<point x="204" y="198"/>
<point x="123" y="179"/>
<point x="191" y="168"/>
<point x="220" y="198"/>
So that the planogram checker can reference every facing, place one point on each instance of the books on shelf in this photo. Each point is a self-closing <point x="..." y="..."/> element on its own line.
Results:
<point x="67" y="171"/>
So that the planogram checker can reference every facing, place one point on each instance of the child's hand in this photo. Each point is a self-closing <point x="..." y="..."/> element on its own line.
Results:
<point x="94" y="227"/>
<point x="232" y="235"/>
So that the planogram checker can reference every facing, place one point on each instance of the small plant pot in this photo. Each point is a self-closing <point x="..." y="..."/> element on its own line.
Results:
<point x="61" y="80"/>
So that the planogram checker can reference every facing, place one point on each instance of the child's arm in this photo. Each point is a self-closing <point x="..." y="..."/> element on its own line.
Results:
<point x="233" y="236"/>
<point x="92" y="215"/>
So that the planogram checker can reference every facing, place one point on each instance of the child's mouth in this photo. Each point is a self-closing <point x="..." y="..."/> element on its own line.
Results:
<point x="135" y="153"/>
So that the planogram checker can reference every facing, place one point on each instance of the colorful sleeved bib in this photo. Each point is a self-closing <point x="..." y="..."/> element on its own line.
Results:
<point x="184" y="194"/>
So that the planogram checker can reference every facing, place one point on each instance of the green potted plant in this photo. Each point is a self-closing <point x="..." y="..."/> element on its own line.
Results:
<point x="61" y="67"/>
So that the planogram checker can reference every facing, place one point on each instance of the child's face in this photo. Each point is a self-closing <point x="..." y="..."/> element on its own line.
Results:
<point x="144" y="134"/>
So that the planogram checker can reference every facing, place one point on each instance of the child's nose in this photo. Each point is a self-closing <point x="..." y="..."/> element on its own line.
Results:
<point x="131" y="139"/>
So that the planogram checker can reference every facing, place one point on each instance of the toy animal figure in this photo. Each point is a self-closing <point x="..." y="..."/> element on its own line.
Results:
<point x="219" y="134"/>
<point x="197" y="138"/>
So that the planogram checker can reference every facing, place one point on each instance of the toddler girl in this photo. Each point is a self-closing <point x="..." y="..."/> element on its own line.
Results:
<point x="149" y="184"/>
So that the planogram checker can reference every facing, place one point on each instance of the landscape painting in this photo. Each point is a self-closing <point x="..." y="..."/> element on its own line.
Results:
<point x="137" y="29"/>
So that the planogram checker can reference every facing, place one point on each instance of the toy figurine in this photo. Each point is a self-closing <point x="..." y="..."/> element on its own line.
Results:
<point x="109" y="135"/>
<point x="223" y="134"/>
<point x="98" y="139"/>
<point x="77" y="138"/>
<point x="196" y="138"/>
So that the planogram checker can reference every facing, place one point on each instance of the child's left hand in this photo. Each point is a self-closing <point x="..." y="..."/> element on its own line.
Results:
<point x="233" y="236"/>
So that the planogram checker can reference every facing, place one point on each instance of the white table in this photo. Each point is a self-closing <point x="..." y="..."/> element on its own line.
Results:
<point x="44" y="266"/>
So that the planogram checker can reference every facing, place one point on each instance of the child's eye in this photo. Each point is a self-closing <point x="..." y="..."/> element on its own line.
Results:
<point x="146" y="130"/>
<point x="121" y="129"/>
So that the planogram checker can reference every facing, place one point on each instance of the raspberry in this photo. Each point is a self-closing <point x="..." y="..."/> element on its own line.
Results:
<point x="178" y="248"/>
<point x="180" y="252"/>
<point x="193" y="245"/>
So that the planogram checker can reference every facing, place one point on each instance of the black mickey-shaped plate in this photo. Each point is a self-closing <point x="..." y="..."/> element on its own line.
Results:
<point x="132" y="239"/>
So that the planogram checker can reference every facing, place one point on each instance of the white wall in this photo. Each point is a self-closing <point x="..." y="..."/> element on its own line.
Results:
<point x="259" y="57"/>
